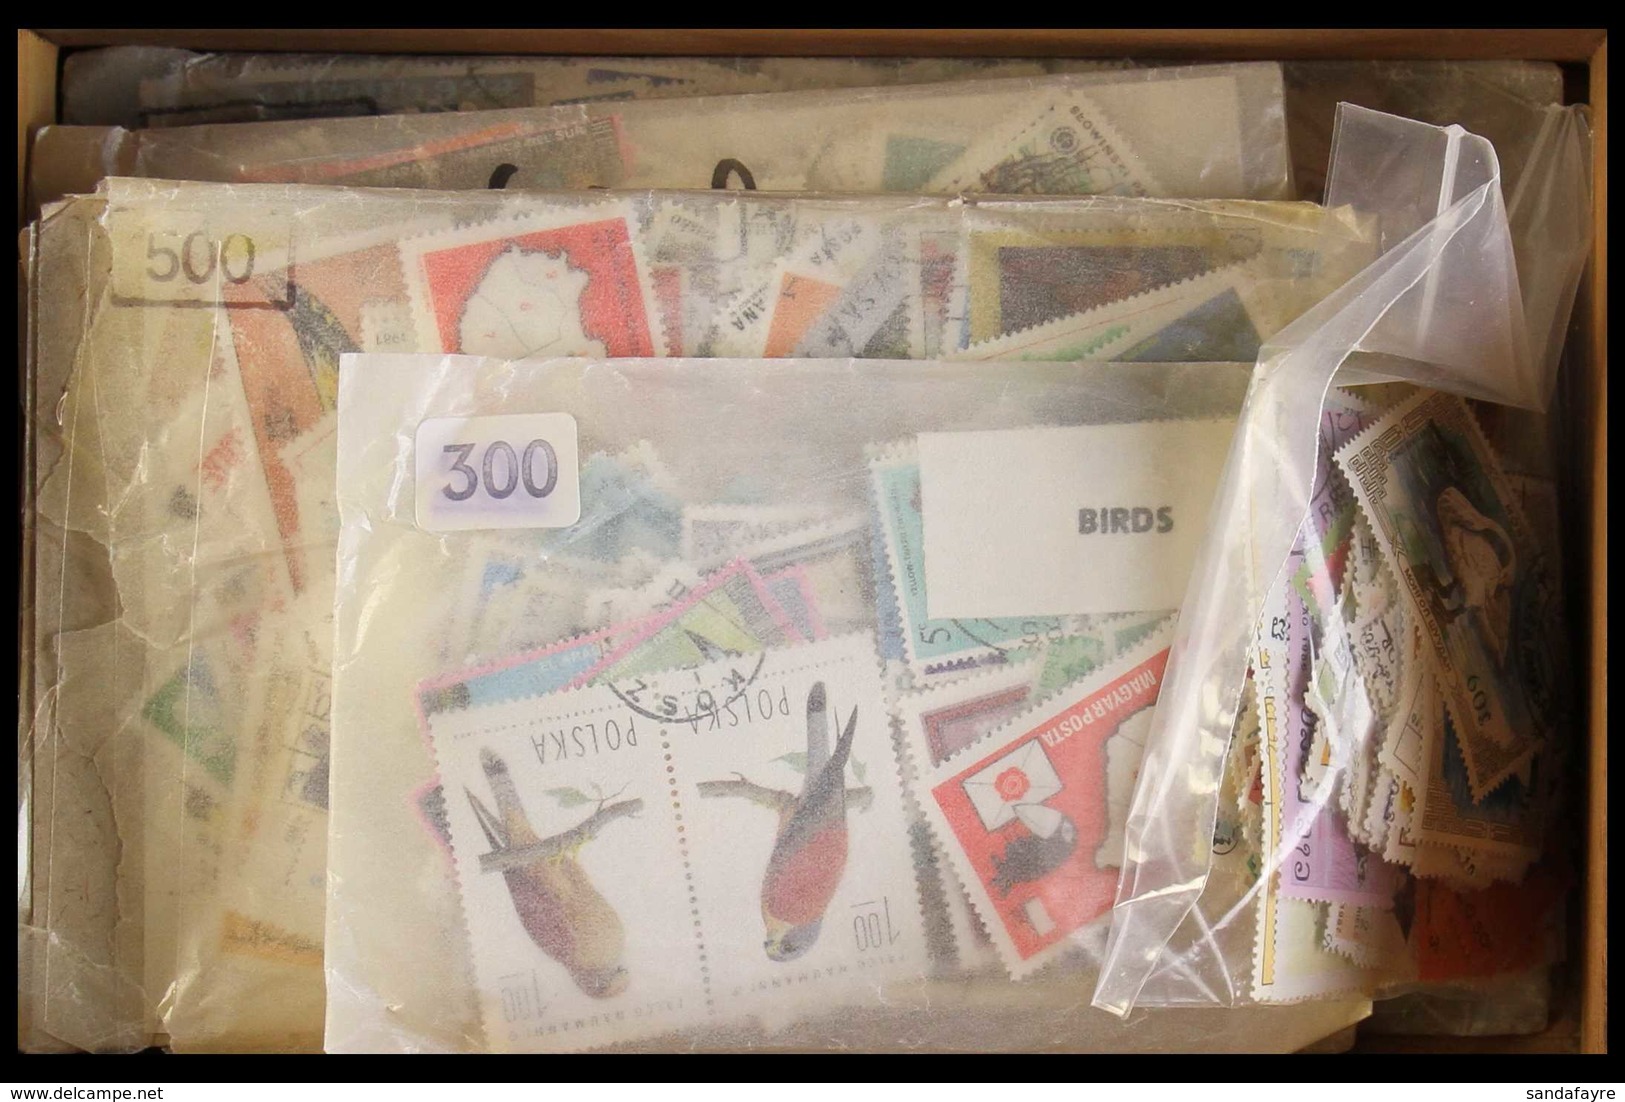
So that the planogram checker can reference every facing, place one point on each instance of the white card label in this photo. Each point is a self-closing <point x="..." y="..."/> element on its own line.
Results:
<point x="516" y="470"/>
<point x="1054" y="521"/>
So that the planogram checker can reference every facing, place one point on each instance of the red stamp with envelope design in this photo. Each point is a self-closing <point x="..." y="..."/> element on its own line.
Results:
<point x="1031" y="813"/>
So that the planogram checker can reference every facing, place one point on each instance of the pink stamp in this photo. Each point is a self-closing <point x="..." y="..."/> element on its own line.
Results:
<point x="1026" y="813"/>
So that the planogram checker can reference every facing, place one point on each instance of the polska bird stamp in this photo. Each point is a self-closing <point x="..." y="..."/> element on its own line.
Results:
<point x="623" y="876"/>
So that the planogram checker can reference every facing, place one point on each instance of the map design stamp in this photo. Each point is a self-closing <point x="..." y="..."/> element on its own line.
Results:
<point x="568" y="283"/>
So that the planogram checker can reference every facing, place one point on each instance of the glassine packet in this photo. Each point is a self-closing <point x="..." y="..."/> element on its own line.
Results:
<point x="138" y="86"/>
<point x="1200" y="132"/>
<point x="186" y="349"/>
<point x="726" y="816"/>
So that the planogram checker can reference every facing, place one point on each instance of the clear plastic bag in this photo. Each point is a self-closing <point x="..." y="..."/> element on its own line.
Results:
<point x="1446" y="307"/>
<point x="1209" y="132"/>
<point x="1499" y="100"/>
<point x="558" y="751"/>
<point x="183" y="448"/>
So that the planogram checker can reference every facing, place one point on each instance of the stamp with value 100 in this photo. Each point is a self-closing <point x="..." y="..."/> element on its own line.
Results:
<point x="745" y="854"/>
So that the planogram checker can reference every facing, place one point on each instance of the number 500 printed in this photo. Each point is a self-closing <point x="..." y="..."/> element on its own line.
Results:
<point x="515" y="470"/>
<point x="180" y="258"/>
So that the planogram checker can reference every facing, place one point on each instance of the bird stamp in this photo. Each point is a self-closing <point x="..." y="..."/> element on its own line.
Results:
<point x="1453" y="533"/>
<point x="718" y="616"/>
<point x="623" y="876"/>
<point x="1028" y="813"/>
<point x="809" y="897"/>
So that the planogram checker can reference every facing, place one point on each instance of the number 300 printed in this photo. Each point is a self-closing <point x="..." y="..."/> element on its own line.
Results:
<point x="498" y="471"/>
<point x="502" y="470"/>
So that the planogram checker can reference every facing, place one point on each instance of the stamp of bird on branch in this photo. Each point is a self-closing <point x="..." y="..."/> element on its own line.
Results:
<point x="623" y="876"/>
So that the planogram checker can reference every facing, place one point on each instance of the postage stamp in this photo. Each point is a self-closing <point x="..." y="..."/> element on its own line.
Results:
<point x="564" y="283"/>
<point x="1504" y="823"/>
<point x="510" y="601"/>
<point x="771" y="314"/>
<point x="1065" y="148"/>
<point x="663" y="585"/>
<point x="1378" y="815"/>
<point x="1402" y="754"/>
<point x="275" y="885"/>
<point x="1386" y="651"/>
<point x="1323" y="864"/>
<point x="190" y="771"/>
<point x="797" y="595"/>
<point x="289" y="362"/>
<point x="1330" y="544"/>
<point x="192" y="708"/>
<point x="311" y="460"/>
<point x="939" y="317"/>
<point x="831" y="555"/>
<point x="1372" y="939"/>
<point x="875" y="314"/>
<point x="732" y="612"/>
<point x="1022" y="278"/>
<point x="1464" y="869"/>
<point x="747" y="241"/>
<point x="622" y="877"/>
<point x="635" y="509"/>
<point x="972" y="947"/>
<point x="1074" y="656"/>
<point x="1453" y="534"/>
<point x="1490" y="931"/>
<point x="1025" y="813"/>
<point x="719" y="532"/>
<point x="1289" y="964"/>
<point x="943" y="719"/>
<point x="1205" y="317"/>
